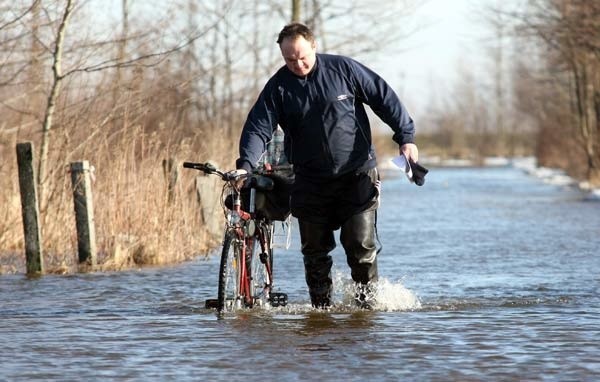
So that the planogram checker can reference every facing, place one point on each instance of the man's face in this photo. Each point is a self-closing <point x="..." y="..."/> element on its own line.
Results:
<point x="299" y="55"/>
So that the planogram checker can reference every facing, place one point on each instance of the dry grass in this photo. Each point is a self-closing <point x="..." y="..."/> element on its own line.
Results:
<point x="138" y="221"/>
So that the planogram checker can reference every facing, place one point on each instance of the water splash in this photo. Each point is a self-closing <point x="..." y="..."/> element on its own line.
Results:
<point x="387" y="295"/>
<point x="392" y="296"/>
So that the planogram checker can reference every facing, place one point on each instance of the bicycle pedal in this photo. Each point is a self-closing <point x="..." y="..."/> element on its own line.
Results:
<point x="263" y="258"/>
<point x="278" y="299"/>
<point x="211" y="303"/>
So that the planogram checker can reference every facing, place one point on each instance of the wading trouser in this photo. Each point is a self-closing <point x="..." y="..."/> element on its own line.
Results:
<point x="349" y="203"/>
<point x="358" y="239"/>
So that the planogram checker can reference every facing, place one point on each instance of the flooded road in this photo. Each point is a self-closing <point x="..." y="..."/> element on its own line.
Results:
<point x="487" y="274"/>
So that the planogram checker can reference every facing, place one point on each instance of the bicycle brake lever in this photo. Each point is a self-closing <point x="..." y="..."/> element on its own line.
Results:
<point x="209" y="167"/>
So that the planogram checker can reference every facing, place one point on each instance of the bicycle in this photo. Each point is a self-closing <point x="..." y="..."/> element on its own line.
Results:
<point x="245" y="273"/>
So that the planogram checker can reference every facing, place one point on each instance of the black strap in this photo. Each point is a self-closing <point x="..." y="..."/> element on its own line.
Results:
<point x="377" y="235"/>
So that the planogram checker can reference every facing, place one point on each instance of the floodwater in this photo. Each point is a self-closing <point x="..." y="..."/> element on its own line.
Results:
<point x="486" y="274"/>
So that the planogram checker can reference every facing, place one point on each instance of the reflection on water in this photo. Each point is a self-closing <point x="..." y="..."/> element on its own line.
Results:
<point x="486" y="274"/>
<point x="322" y="322"/>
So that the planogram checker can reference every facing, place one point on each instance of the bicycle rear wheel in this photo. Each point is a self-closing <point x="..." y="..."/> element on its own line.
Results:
<point x="262" y="268"/>
<point x="228" y="298"/>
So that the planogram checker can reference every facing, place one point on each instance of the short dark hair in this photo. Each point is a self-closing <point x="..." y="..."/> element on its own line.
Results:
<point x="295" y="30"/>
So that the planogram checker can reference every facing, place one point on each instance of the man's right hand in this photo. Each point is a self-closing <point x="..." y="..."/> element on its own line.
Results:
<point x="237" y="177"/>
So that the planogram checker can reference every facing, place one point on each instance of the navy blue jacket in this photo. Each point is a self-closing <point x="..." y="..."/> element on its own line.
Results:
<point x="327" y="132"/>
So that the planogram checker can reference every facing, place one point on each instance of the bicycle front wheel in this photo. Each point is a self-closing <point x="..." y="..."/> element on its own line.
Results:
<point x="230" y="270"/>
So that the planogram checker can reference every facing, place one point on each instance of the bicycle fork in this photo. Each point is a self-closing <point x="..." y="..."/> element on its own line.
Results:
<point x="244" y="274"/>
<point x="246" y="278"/>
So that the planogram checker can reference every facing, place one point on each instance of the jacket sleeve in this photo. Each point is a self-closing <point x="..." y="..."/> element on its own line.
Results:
<point x="258" y="129"/>
<point x="375" y="92"/>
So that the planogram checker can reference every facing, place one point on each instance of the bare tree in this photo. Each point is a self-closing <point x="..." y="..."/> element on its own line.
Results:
<point x="52" y="97"/>
<point x="362" y="27"/>
<point x="569" y="30"/>
<point x="296" y="6"/>
<point x="121" y="47"/>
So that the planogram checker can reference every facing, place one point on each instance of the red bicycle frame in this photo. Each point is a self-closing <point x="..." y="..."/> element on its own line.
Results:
<point x="245" y="276"/>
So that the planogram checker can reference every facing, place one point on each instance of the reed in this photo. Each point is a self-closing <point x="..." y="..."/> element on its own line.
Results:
<point x="137" y="222"/>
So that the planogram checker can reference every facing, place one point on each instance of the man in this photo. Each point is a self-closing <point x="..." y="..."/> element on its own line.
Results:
<point x="318" y="100"/>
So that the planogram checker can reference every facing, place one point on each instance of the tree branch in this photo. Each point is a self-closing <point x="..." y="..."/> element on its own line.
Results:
<point x="161" y="56"/>
<point x="19" y="17"/>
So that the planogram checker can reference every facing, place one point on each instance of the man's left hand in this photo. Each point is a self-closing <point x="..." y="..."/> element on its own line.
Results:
<point x="410" y="151"/>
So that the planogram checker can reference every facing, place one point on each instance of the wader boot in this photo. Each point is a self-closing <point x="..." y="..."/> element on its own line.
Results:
<point x="358" y="239"/>
<point x="317" y="241"/>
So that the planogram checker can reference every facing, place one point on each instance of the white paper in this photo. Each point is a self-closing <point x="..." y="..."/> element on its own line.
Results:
<point x="404" y="165"/>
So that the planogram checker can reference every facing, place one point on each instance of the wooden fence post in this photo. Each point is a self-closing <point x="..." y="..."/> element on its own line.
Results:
<point x="171" y="173"/>
<point x="30" y="209"/>
<point x="207" y="193"/>
<point x="84" y="212"/>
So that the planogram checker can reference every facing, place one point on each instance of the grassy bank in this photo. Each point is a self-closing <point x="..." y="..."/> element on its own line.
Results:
<point x="138" y="222"/>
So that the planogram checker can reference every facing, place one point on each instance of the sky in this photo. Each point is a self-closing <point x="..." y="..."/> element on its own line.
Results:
<point x="453" y="36"/>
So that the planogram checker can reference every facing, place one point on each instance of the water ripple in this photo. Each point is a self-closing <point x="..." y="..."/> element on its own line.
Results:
<point x="485" y="275"/>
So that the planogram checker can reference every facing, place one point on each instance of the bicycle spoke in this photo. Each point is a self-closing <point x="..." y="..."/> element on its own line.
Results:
<point x="229" y="275"/>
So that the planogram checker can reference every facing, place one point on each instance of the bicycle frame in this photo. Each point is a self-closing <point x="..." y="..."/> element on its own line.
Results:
<point x="240" y="222"/>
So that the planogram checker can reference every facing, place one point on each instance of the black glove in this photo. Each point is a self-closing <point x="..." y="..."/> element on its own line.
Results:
<point x="418" y="172"/>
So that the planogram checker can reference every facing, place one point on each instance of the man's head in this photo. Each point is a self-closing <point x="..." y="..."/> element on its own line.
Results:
<point x="298" y="48"/>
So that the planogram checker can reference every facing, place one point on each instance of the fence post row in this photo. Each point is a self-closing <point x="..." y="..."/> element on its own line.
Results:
<point x="30" y="209"/>
<point x="84" y="212"/>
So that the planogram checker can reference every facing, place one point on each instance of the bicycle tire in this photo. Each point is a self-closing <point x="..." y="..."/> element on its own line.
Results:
<point x="228" y="297"/>
<point x="262" y="268"/>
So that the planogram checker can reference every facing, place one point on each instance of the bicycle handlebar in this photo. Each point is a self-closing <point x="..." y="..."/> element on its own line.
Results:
<point x="199" y="166"/>
<point x="209" y="168"/>
<point x="256" y="179"/>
